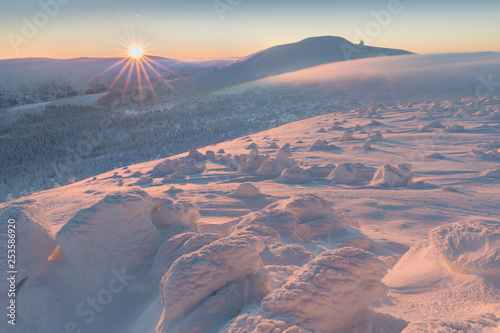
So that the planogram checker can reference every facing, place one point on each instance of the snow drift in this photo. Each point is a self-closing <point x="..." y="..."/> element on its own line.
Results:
<point x="331" y="293"/>
<point x="34" y="241"/>
<point x="116" y="232"/>
<point x="351" y="173"/>
<point x="168" y="214"/>
<point x="177" y="246"/>
<point x="469" y="247"/>
<point x="115" y="239"/>
<point x="247" y="190"/>
<point x="393" y="176"/>
<point x="204" y="289"/>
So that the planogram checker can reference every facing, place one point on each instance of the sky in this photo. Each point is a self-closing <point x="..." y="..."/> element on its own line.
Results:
<point x="185" y="29"/>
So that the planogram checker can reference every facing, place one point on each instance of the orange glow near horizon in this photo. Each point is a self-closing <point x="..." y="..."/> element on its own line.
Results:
<point x="136" y="60"/>
<point x="194" y="30"/>
<point x="182" y="51"/>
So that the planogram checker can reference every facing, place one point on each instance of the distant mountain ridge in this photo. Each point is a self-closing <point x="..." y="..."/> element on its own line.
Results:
<point x="306" y="53"/>
<point x="77" y="69"/>
<point x="72" y="76"/>
<point x="275" y="60"/>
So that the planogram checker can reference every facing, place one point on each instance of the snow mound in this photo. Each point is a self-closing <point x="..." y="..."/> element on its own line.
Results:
<point x="431" y="126"/>
<point x="248" y="323"/>
<point x="321" y="227"/>
<point x="251" y="162"/>
<point x="322" y="145"/>
<point x="186" y="166"/>
<point x="367" y="146"/>
<point x="390" y="176"/>
<point x="34" y="242"/>
<point x="294" y="175"/>
<point x="195" y="155"/>
<point x="204" y="289"/>
<point x="189" y="167"/>
<point x="455" y="128"/>
<point x="283" y="255"/>
<point x="284" y="157"/>
<point x="117" y="231"/>
<point x="435" y="156"/>
<point x="109" y="241"/>
<point x="166" y="214"/>
<point x="265" y="169"/>
<point x="283" y="218"/>
<point x="247" y="190"/>
<point x="331" y="293"/>
<point x="200" y="240"/>
<point x="282" y="222"/>
<point x="347" y="136"/>
<point x="307" y="207"/>
<point x="252" y="146"/>
<point x="375" y="136"/>
<point x="144" y="180"/>
<point x="273" y="145"/>
<point x="209" y="155"/>
<point x="164" y="168"/>
<point x="374" y="123"/>
<point x="178" y="246"/>
<point x="469" y="247"/>
<point x="169" y="251"/>
<point x="337" y="126"/>
<point x="351" y="173"/>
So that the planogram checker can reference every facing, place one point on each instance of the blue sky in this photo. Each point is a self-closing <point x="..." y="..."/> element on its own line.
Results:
<point x="196" y="29"/>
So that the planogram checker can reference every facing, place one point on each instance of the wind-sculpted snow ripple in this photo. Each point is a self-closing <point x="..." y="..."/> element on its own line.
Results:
<point x="469" y="247"/>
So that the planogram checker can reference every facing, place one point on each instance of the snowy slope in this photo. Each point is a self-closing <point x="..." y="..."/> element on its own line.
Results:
<point x="412" y="77"/>
<point x="108" y="138"/>
<point x="382" y="218"/>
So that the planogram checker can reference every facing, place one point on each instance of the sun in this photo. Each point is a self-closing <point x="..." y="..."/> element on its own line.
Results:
<point x="135" y="60"/>
<point x="135" y="51"/>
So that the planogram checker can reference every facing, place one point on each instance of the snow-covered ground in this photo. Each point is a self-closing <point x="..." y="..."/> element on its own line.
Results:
<point x="355" y="196"/>
<point x="379" y="218"/>
<point x="78" y="138"/>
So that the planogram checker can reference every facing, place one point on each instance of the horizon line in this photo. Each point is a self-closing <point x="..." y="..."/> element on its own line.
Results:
<point x="206" y="58"/>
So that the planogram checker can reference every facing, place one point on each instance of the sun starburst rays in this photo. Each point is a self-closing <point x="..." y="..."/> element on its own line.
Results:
<point x="137" y="60"/>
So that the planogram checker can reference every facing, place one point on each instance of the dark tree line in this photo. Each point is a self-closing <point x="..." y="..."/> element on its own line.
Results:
<point x="40" y="149"/>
